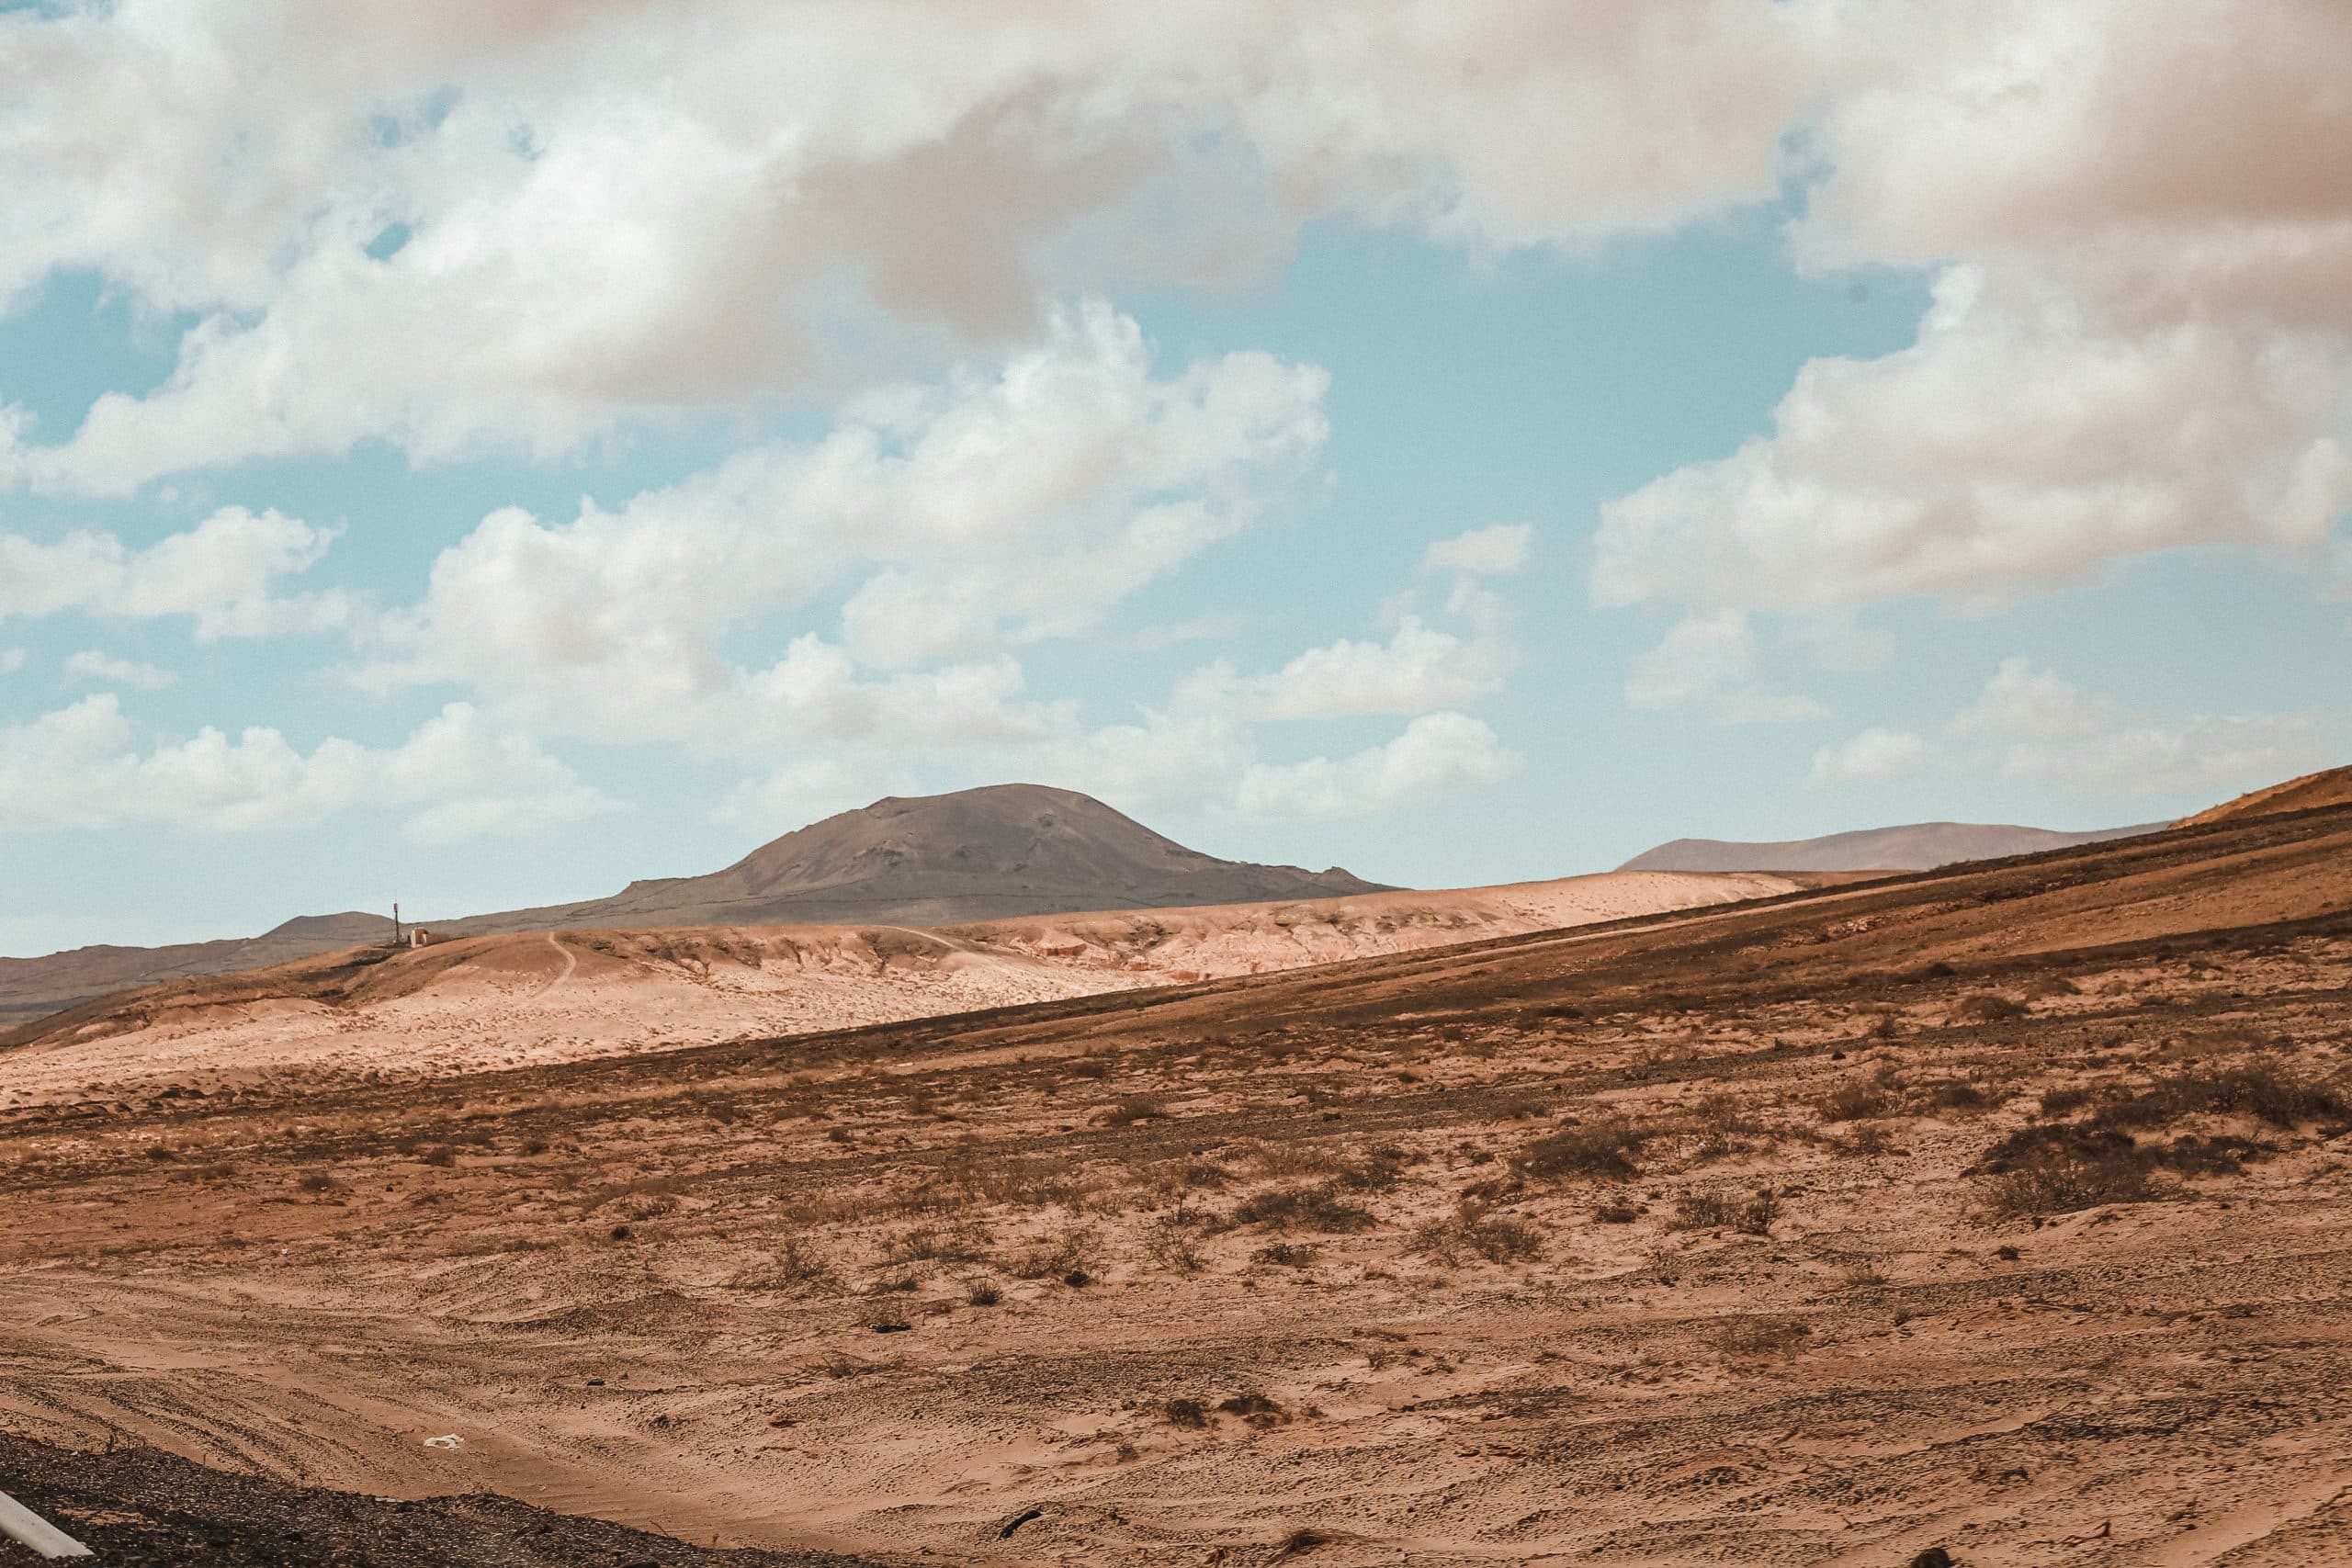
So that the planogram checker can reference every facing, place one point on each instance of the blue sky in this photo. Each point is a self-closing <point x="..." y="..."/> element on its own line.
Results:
<point x="480" y="464"/>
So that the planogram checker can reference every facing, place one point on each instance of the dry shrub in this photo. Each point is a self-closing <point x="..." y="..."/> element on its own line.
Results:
<point x="1604" y="1149"/>
<point x="1320" y="1209"/>
<point x="2265" y="1089"/>
<point x="2057" y="1171"/>
<point x="1169" y="1242"/>
<point x="937" y="1244"/>
<point x="1186" y="1413"/>
<point x="1616" y="1215"/>
<point x="1034" y="1181"/>
<point x="1470" y="1229"/>
<point x="1286" y="1254"/>
<point x="1752" y="1215"/>
<point x="1135" y="1108"/>
<point x="2058" y="1102"/>
<point x="793" y="1265"/>
<point x="1852" y="1102"/>
<point x="1377" y="1172"/>
<point x="1720" y="1125"/>
<point x="1255" y="1408"/>
<point x="1063" y="1253"/>
<point x="1948" y="1094"/>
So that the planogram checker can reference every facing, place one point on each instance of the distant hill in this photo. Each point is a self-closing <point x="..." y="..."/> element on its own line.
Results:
<point x="2332" y="788"/>
<point x="1918" y="846"/>
<point x="33" y="988"/>
<point x="977" y="854"/>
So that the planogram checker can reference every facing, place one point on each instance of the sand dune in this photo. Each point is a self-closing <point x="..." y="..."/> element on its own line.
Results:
<point x="539" y="997"/>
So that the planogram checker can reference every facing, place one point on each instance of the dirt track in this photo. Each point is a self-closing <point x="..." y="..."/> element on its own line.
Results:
<point x="2000" y="1212"/>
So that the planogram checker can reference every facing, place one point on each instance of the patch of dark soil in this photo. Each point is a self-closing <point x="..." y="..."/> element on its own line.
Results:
<point x="145" y="1508"/>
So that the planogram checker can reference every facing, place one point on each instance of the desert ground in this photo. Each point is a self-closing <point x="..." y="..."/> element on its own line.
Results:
<point x="1990" y="1216"/>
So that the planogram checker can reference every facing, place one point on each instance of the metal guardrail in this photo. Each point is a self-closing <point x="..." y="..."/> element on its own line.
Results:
<point x="26" y="1528"/>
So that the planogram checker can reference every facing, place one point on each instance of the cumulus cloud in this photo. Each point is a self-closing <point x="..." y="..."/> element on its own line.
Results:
<point x="221" y="574"/>
<point x="84" y="767"/>
<point x="1875" y="756"/>
<point x="1711" y="659"/>
<point x="442" y="227"/>
<point x="2139" y="336"/>
<point x="1419" y="668"/>
<point x="993" y="509"/>
<point x="1483" y="552"/>
<point x="1437" y="754"/>
<point x="2034" y="724"/>
<point x="2017" y="446"/>
<point x="92" y="665"/>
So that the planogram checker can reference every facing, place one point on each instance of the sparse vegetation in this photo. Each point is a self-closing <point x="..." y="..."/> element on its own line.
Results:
<point x="1472" y="1231"/>
<point x="1605" y="1148"/>
<point x="1318" y="1209"/>
<point x="1751" y="1215"/>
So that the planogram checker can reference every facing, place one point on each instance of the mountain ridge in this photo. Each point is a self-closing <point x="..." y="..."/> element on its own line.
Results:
<point x="1910" y="846"/>
<point x="996" y="852"/>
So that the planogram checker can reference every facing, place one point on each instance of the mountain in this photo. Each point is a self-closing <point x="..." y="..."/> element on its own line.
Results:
<point x="977" y="854"/>
<point x="34" y="987"/>
<point x="1918" y="846"/>
<point x="2331" y="787"/>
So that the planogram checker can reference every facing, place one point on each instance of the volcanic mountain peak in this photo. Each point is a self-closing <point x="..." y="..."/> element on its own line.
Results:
<point x="986" y="853"/>
<point x="1016" y="830"/>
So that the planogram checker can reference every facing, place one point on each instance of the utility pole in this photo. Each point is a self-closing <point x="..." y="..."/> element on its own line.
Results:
<point x="396" y="925"/>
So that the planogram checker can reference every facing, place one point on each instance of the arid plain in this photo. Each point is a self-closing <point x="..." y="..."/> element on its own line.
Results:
<point x="1990" y="1216"/>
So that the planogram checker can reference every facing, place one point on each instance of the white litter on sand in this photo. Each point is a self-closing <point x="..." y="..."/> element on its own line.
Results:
<point x="451" y="1441"/>
<point x="27" y="1528"/>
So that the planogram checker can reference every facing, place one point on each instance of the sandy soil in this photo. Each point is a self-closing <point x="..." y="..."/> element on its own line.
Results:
<point x="539" y="997"/>
<point x="1992" y="1216"/>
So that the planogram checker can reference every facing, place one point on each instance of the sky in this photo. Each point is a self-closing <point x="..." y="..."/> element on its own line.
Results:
<point x="479" y="455"/>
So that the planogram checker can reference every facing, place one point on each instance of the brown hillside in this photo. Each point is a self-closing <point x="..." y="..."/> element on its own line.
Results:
<point x="2332" y="788"/>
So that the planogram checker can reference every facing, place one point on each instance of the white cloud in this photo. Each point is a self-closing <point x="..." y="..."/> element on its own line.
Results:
<point x="1875" y="756"/>
<point x="11" y="660"/>
<point x="2017" y="446"/>
<point x="2021" y="703"/>
<point x="1711" y="659"/>
<point x="2139" y="339"/>
<point x="612" y="209"/>
<point x="1487" y="552"/>
<point x="92" y="665"/>
<point x="221" y="574"/>
<point x="1437" y="754"/>
<point x="1421" y="666"/>
<point x="83" y="767"/>
<point x="988" y="511"/>
<point x="2037" y="724"/>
